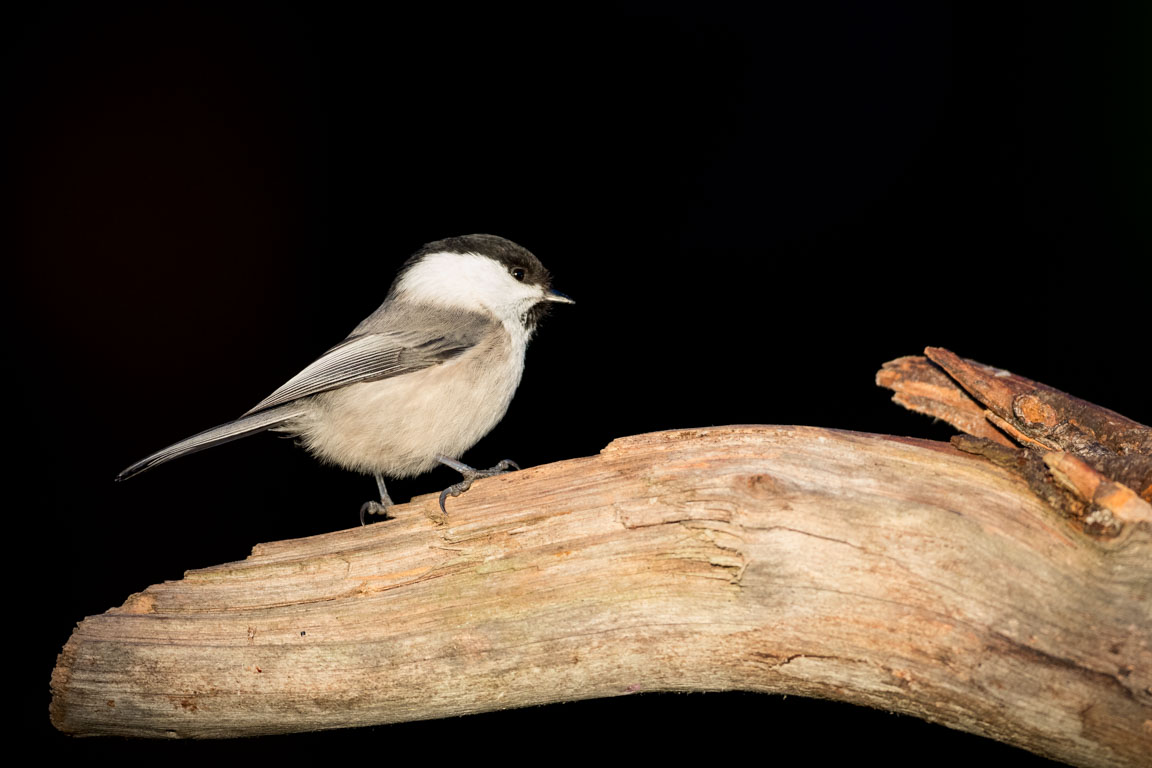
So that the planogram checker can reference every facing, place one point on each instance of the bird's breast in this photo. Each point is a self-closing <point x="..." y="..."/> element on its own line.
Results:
<point x="398" y="426"/>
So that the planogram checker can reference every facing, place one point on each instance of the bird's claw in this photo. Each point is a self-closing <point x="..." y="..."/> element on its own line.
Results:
<point x="472" y="475"/>
<point x="452" y="490"/>
<point x="373" y="508"/>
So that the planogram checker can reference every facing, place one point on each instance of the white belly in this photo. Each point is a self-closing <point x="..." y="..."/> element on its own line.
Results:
<point x="398" y="426"/>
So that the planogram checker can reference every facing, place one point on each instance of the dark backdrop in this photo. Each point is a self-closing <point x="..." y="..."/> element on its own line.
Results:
<point x="752" y="212"/>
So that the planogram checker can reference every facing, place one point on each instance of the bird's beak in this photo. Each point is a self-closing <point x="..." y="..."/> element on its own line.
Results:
<point x="558" y="297"/>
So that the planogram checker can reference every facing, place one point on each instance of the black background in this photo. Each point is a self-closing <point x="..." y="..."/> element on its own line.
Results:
<point x="753" y="213"/>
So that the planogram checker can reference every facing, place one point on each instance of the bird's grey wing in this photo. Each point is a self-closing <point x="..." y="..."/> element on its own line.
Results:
<point x="370" y="357"/>
<point x="225" y="433"/>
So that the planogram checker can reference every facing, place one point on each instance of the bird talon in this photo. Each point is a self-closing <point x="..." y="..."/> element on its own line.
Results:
<point x="452" y="490"/>
<point x="462" y="486"/>
<point x="373" y="508"/>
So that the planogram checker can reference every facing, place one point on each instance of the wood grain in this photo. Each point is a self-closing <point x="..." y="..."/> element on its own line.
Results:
<point x="893" y="573"/>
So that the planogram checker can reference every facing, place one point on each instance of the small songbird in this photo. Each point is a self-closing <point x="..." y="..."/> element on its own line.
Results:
<point x="420" y="380"/>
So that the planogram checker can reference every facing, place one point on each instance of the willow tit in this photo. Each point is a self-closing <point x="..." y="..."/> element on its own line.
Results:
<point x="420" y="380"/>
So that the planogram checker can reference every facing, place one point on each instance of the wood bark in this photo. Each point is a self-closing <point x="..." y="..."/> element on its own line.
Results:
<point x="1087" y="462"/>
<point x="894" y="573"/>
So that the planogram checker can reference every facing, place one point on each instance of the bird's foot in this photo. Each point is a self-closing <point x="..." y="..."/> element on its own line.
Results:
<point x="377" y="507"/>
<point x="470" y="476"/>
<point x="373" y="508"/>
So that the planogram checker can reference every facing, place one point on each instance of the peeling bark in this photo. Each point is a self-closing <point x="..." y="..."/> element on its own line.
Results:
<point x="1088" y="462"/>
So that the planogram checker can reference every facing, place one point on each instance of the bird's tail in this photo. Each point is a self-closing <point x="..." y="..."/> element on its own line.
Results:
<point x="225" y="433"/>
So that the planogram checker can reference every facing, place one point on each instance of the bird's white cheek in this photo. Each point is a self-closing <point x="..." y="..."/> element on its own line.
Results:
<point x="465" y="280"/>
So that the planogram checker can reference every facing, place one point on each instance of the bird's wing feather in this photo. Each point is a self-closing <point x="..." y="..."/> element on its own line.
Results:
<point x="369" y="357"/>
<point x="225" y="433"/>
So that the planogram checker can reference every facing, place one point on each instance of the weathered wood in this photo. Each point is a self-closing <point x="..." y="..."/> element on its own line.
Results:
<point x="921" y="386"/>
<point x="1087" y="462"/>
<point x="1045" y="415"/>
<point x="894" y="573"/>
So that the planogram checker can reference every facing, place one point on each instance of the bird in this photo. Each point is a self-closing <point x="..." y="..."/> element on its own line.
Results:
<point x="420" y="380"/>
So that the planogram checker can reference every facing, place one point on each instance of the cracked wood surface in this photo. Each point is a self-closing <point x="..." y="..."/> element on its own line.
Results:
<point x="894" y="573"/>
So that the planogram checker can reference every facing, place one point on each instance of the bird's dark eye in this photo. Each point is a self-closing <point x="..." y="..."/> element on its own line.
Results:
<point x="518" y="274"/>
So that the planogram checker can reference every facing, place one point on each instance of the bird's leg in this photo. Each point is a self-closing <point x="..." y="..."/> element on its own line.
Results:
<point x="470" y="476"/>
<point x="377" y="508"/>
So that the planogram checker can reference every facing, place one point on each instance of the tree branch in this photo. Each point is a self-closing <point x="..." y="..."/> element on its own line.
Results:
<point x="895" y="573"/>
